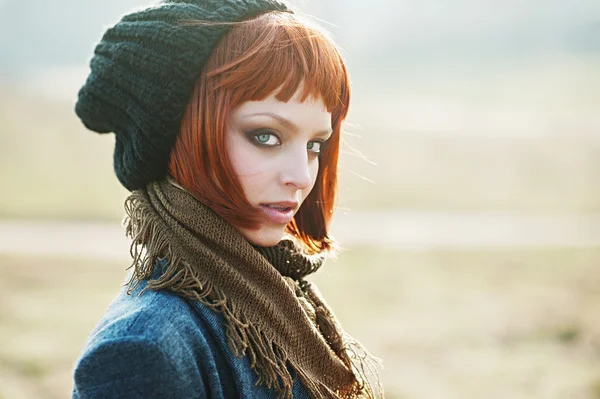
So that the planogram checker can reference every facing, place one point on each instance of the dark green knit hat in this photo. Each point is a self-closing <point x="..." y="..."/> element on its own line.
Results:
<point x="142" y="74"/>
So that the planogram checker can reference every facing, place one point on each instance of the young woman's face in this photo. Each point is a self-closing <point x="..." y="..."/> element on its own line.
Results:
<point x="274" y="149"/>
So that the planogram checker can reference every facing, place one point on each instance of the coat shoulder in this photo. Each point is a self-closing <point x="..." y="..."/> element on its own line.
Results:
<point x="147" y="341"/>
<point x="160" y="316"/>
<point x="156" y="344"/>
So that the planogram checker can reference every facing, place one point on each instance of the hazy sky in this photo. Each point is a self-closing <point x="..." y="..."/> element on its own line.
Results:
<point x="65" y="31"/>
<point x="393" y="45"/>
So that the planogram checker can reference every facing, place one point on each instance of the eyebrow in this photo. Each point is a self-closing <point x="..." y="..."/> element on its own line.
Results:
<point x="286" y="122"/>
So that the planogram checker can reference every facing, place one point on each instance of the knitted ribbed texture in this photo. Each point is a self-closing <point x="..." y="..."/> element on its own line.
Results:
<point x="275" y="321"/>
<point x="290" y="261"/>
<point x="142" y="75"/>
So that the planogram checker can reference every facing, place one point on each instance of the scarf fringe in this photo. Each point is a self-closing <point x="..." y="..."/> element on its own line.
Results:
<point x="349" y="350"/>
<point x="151" y="246"/>
<point x="364" y="365"/>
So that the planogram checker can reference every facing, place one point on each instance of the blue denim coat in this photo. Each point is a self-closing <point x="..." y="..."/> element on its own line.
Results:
<point x="159" y="345"/>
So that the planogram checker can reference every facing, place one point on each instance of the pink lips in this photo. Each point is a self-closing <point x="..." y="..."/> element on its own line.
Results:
<point x="279" y="212"/>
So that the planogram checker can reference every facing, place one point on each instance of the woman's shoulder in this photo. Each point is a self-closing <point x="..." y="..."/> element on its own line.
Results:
<point x="157" y="344"/>
<point x="146" y="341"/>
<point x="162" y="319"/>
<point x="147" y="313"/>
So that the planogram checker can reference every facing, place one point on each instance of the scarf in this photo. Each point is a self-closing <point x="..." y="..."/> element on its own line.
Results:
<point x="273" y="316"/>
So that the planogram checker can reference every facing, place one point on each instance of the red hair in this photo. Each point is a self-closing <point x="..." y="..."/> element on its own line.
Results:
<point x="274" y="52"/>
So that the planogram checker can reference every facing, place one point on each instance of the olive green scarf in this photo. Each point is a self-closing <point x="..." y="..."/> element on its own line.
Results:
<point x="272" y="314"/>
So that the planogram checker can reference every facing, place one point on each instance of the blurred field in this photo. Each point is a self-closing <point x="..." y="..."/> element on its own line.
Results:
<point x="448" y="324"/>
<point x="520" y="137"/>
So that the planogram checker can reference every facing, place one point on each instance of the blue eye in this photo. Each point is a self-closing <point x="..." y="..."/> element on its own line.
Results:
<point x="265" y="139"/>
<point x="315" y="146"/>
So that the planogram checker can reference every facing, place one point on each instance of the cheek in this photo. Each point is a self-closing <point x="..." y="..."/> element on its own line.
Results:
<point x="250" y="167"/>
<point x="314" y="172"/>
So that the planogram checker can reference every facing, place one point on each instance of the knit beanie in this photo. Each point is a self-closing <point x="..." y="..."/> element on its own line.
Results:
<point x="142" y="75"/>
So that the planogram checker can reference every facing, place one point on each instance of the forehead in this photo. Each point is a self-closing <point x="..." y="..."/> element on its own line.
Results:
<point x="311" y="112"/>
<point x="294" y="103"/>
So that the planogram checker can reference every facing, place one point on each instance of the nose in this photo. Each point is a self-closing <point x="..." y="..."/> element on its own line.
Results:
<point x="297" y="170"/>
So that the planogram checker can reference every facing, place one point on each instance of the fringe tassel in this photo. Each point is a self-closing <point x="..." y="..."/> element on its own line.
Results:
<point x="349" y="350"/>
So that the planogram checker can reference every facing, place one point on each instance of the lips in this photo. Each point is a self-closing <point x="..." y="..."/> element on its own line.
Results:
<point x="279" y="212"/>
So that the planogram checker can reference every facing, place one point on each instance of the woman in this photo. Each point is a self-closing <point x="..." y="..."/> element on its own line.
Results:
<point x="227" y="118"/>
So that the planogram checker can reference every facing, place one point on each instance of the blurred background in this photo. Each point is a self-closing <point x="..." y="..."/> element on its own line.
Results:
<point x="469" y="205"/>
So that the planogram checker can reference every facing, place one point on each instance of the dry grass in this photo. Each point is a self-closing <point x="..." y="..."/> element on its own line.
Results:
<point x="448" y="324"/>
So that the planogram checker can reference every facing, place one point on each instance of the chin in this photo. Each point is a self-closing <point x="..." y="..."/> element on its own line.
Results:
<point x="264" y="236"/>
